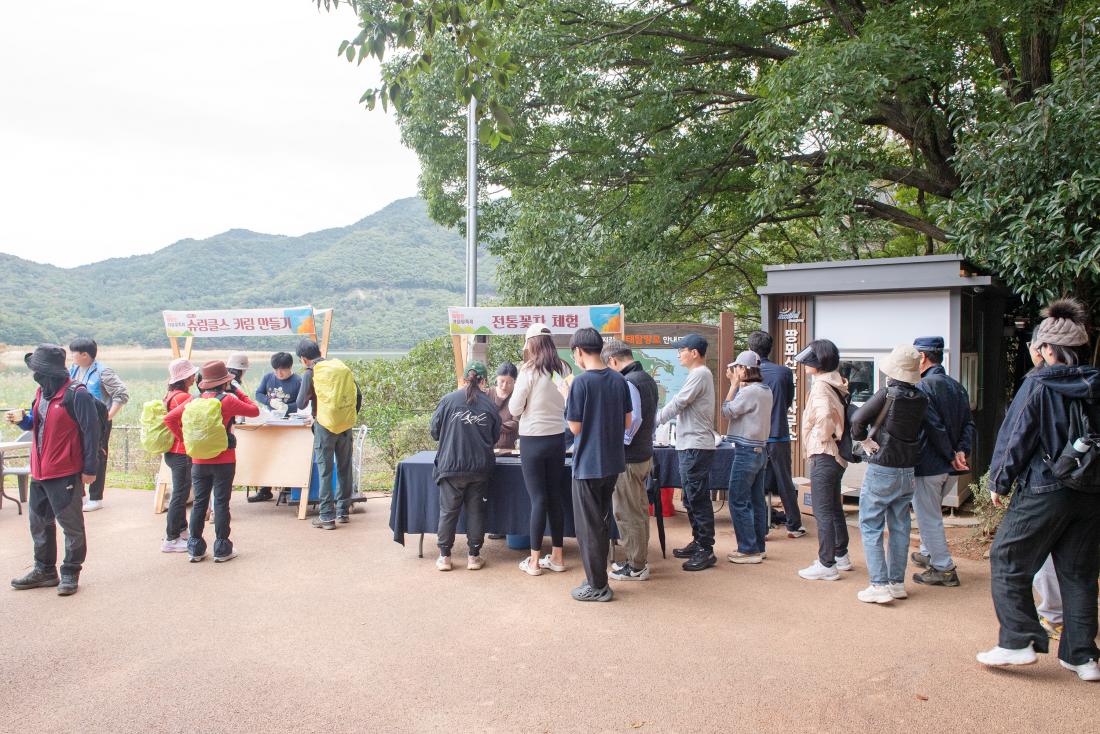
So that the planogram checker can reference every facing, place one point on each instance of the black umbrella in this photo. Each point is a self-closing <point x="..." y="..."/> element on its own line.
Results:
<point x="654" y="491"/>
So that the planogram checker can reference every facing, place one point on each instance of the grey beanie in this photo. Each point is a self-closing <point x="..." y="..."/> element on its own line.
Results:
<point x="1063" y="326"/>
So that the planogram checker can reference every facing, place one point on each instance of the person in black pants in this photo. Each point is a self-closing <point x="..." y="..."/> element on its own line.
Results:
<point x="1058" y="403"/>
<point x="181" y="376"/>
<point x="598" y="411"/>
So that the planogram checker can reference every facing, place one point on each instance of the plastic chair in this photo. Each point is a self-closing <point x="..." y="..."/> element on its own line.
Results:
<point x="22" y="476"/>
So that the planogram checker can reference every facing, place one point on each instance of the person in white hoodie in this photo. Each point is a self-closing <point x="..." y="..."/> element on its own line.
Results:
<point x="540" y="406"/>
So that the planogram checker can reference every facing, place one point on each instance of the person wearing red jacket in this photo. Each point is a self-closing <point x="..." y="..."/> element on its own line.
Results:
<point x="214" y="475"/>
<point x="65" y="456"/>
<point x="181" y="376"/>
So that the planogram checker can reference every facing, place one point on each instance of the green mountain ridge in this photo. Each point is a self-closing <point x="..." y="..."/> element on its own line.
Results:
<point x="390" y="278"/>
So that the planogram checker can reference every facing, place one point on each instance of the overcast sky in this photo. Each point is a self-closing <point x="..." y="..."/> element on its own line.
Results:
<point x="126" y="126"/>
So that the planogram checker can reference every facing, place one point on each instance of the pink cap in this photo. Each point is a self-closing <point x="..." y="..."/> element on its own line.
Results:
<point x="180" y="369"/>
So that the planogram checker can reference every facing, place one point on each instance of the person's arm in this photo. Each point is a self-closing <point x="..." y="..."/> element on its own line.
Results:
<point x="84" y="411"/>
<point x="788" y="383"/>
<point x="935" y="433"/>
<point x="305" y="394"/>
<point x="26" y="423"/>
<point x="238" y="404"/>
<point x="496" y="425"/>
<point x="174" y="421"/>
<point x="634" y="421"/>
<point x="1017" y="441"/>
<point x="692" y="389"/>
<point x="969" y="430"/>
<point x="518" y="402"/>
<point x="866" y="414"/>
<point x="115" y="389"/>
<point x="736" y="407"/>
<point x="261" y="392"/>
<point x="437" y="421"/>
<point x="358" y="398"/>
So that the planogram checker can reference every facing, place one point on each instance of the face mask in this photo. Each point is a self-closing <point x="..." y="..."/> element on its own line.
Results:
<point x="49" y="384"/>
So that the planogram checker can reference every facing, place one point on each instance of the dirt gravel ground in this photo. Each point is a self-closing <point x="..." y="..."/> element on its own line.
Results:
<point x="346" y="631"/>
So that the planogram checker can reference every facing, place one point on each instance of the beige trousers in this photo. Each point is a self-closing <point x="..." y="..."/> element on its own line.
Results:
<point x="632" y="512"/>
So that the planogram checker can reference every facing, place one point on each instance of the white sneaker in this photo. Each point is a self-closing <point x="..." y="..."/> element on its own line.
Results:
<point x="875" y="595"/>
<point x="1089" y="671"/>
<point x="817" y="572"/>
<point x="897" y="591"/>
<point x="93" y="505"/>
<point x="179" y="545"/>
<point x="844" y="563"/>
<point x="999" y="657"/>
<point x="443" y="563"/>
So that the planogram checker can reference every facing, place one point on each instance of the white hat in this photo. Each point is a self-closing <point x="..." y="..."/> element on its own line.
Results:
<point x="237" y="361"/>
<point x="903" y="364"/>
<point x="748" y="358"/>
<point x="536" y="329"/>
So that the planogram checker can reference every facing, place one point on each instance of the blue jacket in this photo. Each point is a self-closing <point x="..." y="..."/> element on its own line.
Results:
<point x="1036" y="426"/>
<point x="92" y="380"/>
<point x="780" y="380"/>
<point x="948" y="425"/>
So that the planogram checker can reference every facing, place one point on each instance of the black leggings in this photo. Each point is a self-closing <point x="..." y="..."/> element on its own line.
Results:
<point x="180" y="465"/>
<point x="543" y="461"/>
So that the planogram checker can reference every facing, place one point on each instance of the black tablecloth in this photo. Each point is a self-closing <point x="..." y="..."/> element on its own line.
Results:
<point x="667" y="467"/>
<point x="414" y="507"/>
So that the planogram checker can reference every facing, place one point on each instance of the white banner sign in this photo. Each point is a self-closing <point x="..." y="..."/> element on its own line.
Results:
<point x="606" y="319"/>
<point x="297" y="321"/>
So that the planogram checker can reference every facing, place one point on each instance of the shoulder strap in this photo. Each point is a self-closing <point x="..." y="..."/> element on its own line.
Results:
<point x="881" y="417"/>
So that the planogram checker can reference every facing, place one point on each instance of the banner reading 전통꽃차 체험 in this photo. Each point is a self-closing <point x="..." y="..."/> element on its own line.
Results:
<point x="514" y="320"/>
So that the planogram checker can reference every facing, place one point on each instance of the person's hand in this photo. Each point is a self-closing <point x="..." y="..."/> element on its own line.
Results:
<point x="14" y="416"/>
<point x="87" y="478"/>
<point x="959" y="462"/>
<point x="998" y="499"/>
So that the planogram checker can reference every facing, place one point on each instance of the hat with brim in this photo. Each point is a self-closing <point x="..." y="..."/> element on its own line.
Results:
<point x="536" y="329"/>
<point x="903" y="364"/>
<point x="747" y="359"/>
<point x="180" y="369"/>
<point x="477" y="368"/>
<point x="47" y="359"/>
<point x="692" y="341"/>
<point x="214" y="374"/>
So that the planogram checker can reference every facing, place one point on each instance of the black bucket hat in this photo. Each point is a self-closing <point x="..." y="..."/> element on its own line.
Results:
<point x="47" y="359"/>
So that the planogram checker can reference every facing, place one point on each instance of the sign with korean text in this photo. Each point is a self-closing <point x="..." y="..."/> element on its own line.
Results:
<point x="606" y="319"/>
<point x="296" y="321"/>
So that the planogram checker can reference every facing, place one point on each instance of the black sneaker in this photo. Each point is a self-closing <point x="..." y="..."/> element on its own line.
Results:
<point x="324" y="524"/>
<point x="263" y="495"/>
<point x="626" y="572"/>
<point x="687" y="551"/>
<point x="701" y="560"/>
<point x="932" y="577"/>
<point x="36" y="579"/>
<point x="920" y="559"/>
<point x="343" y="519"/>
<point x="68" y="584"/>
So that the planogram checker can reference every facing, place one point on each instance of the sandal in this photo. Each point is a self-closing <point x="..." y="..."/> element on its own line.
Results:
<point x="547" y="562"/>
<point x="525" y="566"/>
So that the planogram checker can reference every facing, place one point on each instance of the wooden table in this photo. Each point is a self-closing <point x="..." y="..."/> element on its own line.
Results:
<point x="269" y="455"/>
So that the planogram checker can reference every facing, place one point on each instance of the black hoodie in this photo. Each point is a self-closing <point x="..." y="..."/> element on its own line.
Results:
<point x="466" y="435"/>
<point x="1036" y="426"/>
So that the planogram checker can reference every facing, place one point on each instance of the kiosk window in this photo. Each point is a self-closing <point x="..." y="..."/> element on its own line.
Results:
<point x="860" y="374"/>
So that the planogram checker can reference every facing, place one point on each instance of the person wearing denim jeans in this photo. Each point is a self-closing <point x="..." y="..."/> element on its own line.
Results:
<point x="884" y="504"/>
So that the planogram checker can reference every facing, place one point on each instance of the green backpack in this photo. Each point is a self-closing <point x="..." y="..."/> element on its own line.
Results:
<point x="155" y="436"/>
<point x="204" y="432"/>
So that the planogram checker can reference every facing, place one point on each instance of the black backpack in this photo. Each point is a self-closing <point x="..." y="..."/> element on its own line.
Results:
<point x="1079" y="470"/>
<point x="844" y="444"/>
<point x="100" y="408"/>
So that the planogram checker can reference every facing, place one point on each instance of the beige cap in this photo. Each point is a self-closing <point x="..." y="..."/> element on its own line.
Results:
<point x="536" y="329"/>
<point x="903" y="364"/>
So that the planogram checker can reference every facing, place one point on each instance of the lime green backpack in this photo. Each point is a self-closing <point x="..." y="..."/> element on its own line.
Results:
<point x="204" y="432"/>
<point x="155" y="436"/>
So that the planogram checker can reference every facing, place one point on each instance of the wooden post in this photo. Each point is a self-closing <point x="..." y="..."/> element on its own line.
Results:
<point x="174" y="343"/>
<point x="326" y="331"/>
<point x="187" y="344"/>
<point x="459" y="353"/>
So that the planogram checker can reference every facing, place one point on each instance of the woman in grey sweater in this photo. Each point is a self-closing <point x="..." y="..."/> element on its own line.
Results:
<point x="748" y="407"/>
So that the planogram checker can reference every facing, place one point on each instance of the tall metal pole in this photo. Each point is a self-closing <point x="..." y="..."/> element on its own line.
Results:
<point x="471" y="203"/>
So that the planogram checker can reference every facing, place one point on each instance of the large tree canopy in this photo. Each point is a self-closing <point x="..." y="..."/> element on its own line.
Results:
<point x="661" y="152"/>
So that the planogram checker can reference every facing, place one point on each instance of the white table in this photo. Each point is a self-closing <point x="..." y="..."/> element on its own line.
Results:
<point x="8" y="447"/>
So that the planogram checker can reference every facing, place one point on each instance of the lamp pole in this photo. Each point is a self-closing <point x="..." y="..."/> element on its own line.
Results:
<point x="471" y="203"/>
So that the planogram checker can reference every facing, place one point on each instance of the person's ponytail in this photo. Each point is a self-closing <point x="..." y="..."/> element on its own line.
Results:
<point x="473" y="386"/>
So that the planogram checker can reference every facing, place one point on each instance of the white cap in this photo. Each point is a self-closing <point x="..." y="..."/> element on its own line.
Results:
<point x="237" y="361"/>
<point x="536" y="329"/>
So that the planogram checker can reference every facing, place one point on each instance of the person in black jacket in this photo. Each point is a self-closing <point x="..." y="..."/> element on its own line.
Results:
<point x="467" y="425"/>
<point x="1047" y="517"/>
<point x="946" y="439"/>
<point x="888" y="425"/>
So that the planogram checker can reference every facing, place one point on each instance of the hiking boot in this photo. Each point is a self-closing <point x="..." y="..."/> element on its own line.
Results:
<point x="585" y="592"/>
<point x="796" y="533"/>
<point x="920" y="560"/>
<point x="932" y="577"/>
<point x="36" y="579"/>
<point x="68" y="584"/>
<point x="876" y="595"/>
<point x="687" y="551"/>
<point x="739" y="557"/>
<point x="819" y="572"/>
<point x="324" y="524"/>
<point x="626" y="572"/>
<point x="262" y="495"/>
<point x="703" y="559"/>
<point x="843" y="563"/>
<point x="474" y="563"/>
<point x="1054" y="631"/>
<point x="1089" y="670"/>
<point x="999" y="657"/>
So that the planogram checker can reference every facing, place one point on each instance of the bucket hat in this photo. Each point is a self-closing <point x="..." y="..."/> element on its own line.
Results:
<point x="180" y="369"/>
<point x="214" y="374"/>
<point x="237" y="361"/>
<point x="47" y="359"/>
<point x="903" y="364"/>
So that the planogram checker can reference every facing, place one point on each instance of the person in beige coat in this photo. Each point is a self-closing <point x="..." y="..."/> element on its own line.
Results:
<point x="822" y="427"/>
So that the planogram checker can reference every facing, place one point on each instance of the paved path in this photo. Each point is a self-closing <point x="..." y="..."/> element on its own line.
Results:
<point x="313" y="631"/>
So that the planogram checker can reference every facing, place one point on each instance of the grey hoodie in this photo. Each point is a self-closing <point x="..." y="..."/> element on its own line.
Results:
<point x="749" y="414"/>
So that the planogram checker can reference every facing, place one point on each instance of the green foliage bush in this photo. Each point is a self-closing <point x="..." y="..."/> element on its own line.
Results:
<point x="988" y="516"/>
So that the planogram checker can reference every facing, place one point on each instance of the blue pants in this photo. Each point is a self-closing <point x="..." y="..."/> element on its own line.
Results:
<point x="884" y="504"/>
<point x="746" y="492"/>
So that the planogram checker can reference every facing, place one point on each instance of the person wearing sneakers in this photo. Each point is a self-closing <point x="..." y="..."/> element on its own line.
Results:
<point x="748" y="407"/>
<point x="65" y="455"/>
<point x="945" y="442"/>
<point x="598" y="411"/>
<point x="1056" y="405"/>
<point x="630" y="500"/>
<point x="822" y="426"/>
<point x="213" y="477"/>
<point x="106" y="387"/>
<point x="888" y="425"/>
<point x="540" y="406"/>
<point x="467" y="425"/>
<point x="181" y="376"/>
<point x="694" y="407"/>
<point x="777" y="471"/>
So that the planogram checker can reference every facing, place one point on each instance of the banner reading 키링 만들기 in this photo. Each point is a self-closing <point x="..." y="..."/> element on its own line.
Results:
<point x="298" y="321"/>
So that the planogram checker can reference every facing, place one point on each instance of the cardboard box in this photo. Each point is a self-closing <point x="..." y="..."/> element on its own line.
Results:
<point x="802" y="484"/>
